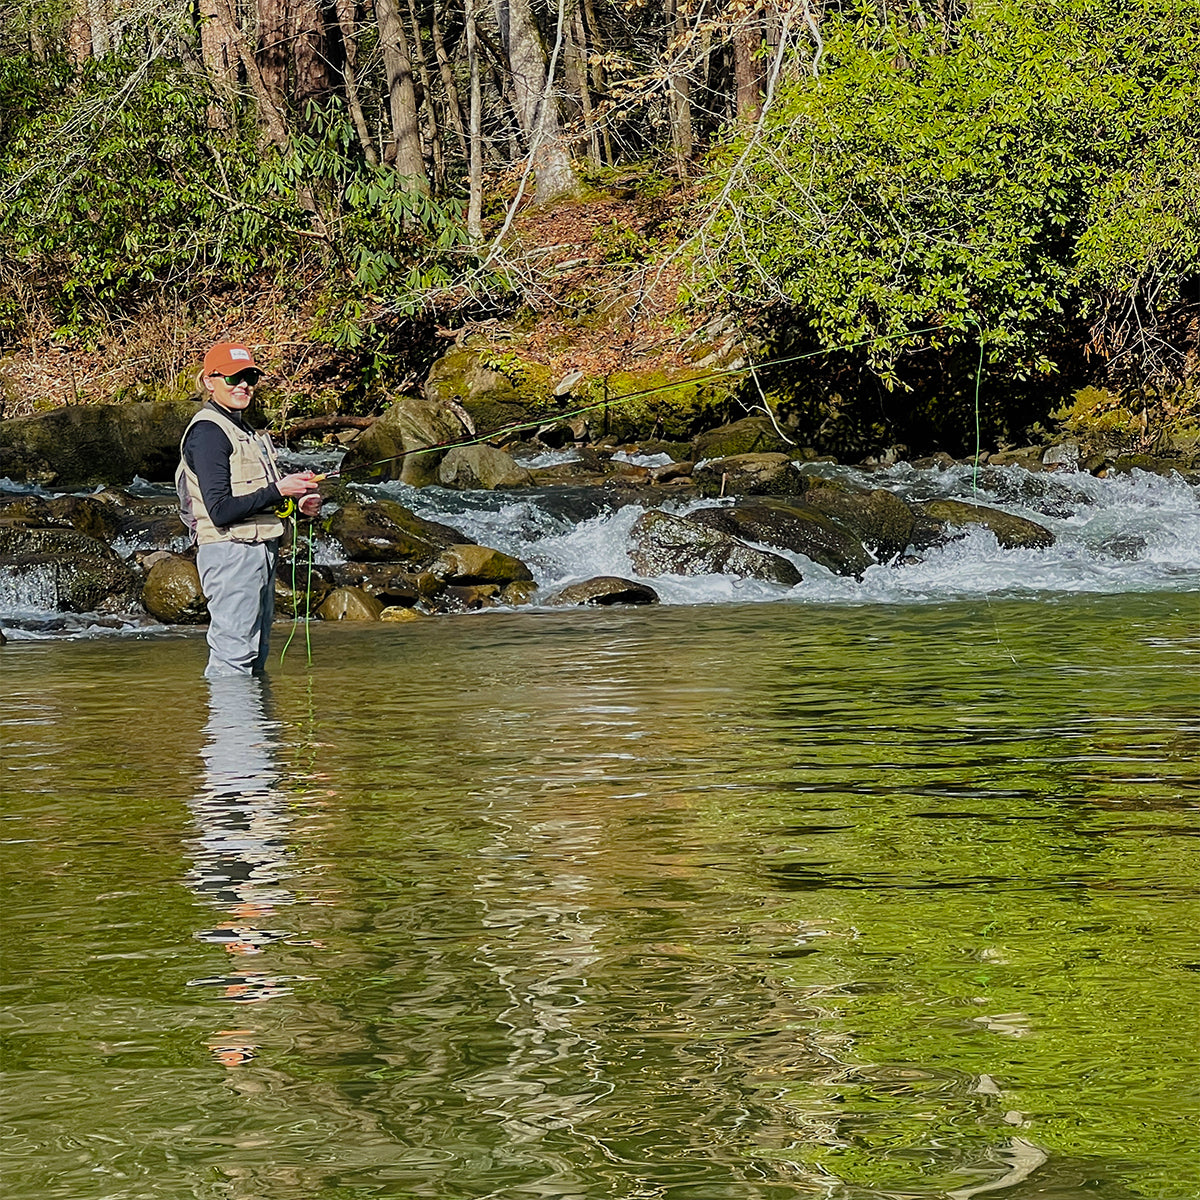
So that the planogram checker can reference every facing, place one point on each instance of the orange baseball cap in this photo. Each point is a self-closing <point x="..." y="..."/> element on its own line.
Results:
<point x="227" y="358"/>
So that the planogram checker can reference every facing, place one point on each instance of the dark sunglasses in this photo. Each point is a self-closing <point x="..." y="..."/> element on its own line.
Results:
<point x="250" y="377"/>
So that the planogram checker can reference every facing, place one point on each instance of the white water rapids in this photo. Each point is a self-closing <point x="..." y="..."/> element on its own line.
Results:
<point x="1132" y="533"/>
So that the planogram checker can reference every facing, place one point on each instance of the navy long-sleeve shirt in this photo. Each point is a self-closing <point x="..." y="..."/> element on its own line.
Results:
<point x="207" y="451"/>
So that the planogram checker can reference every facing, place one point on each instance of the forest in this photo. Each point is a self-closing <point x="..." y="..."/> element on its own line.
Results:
<point x="914" y="193"/>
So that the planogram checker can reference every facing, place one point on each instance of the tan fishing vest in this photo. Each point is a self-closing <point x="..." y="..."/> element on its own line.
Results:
<point x="251" y="466"/>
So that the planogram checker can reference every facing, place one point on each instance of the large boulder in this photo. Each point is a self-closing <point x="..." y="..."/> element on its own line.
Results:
<point x="172" y="592"/>
<point x="878" y="518"/>
<point x="1012" y="532"/>
<point x="403" y="443"/>
<point x="478" y="466"/>
<point x="748" y="475"/>
<point x="497" y="389"/>
<point x="84" y="445"/>
<point x="385" y="531"/>
<point x="63" y="569"/>
<point x="750" y="435"/>
<point x="471" y="564"/>
<point x="791" y="527"/>
<point x="604" y="590"/>
<point x="662" y="544"/>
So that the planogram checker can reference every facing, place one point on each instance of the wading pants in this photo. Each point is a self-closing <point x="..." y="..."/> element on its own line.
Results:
<point x="239" y="580"/>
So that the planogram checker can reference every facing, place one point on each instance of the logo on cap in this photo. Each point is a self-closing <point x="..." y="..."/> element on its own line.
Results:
<point x="237" y="352"/>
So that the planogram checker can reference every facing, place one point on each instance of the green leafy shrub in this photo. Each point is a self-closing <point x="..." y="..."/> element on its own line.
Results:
<point x="1034" y="183"/>
<point x="121" y="192"/>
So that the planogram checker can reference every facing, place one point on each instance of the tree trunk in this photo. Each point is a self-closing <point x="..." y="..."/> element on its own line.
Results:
<point x="402" y="97"/>
<point x="309" y="58"/>
<point x="554" y="176"/>
<point x="269" y="112"/>
<point x="426" y="98"/>
<point x="679" y="91"/>
<point x="577" y="77"/>
<point x="79" y="36"/>
<point x="595" y="40"/>
<point x="453" y="105"/>
<point x="475" y="169"/>
<point x="347" y="23"/>
<point x="747" y="72"/>
<point x="219" y="56"/>
<point x="98" y="24"/>
<point x="272" y="25"/>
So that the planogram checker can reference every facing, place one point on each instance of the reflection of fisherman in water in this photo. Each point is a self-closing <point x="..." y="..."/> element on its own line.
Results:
<point x="241" y="855"/>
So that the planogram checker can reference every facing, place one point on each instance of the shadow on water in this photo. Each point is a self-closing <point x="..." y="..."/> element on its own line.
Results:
<point x="739" y="902"/>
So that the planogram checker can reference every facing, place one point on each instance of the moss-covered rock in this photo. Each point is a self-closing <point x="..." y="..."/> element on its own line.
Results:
<point x="481" y="467"/>
<point x="878" y="518"/>
<point x="498" y="389"/>
<point x="61" y="568"/>
<point x="472" y="564"/>
<point x="659" y="405"/>
<point x="84" y="445"/>
<point x="750" y="435"/>
<point x="403" y="443"/>
<point x="90" y="515"/>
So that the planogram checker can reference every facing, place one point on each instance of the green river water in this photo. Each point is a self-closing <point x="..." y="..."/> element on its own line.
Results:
<point x="729" y="901"/>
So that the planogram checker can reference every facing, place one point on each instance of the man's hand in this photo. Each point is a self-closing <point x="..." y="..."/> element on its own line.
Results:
<point x="310" y="505"/>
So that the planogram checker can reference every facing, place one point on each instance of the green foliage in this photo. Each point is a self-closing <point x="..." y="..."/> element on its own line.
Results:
<point x="1039" y="172"/>
<point x="505" y="363"/>
<point x="123" y="190"/>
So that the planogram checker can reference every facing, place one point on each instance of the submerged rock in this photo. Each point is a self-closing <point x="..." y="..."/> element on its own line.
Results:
<point x="604" y="589"/>
<point x="520" y="591"/>
<point x="301" y="592"/>
<point x="663" y="544"/>
<point x="458" y="598"/>
<point x="791" y="527"/>
<point x="397" y="612"/>
<point x="1012" y="532"/>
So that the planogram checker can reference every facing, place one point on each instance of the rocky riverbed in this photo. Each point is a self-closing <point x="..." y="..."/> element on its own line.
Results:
<point x="738" y="503"/>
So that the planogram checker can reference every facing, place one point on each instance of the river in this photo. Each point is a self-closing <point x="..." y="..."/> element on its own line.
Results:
<point x="890" y="892"/>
